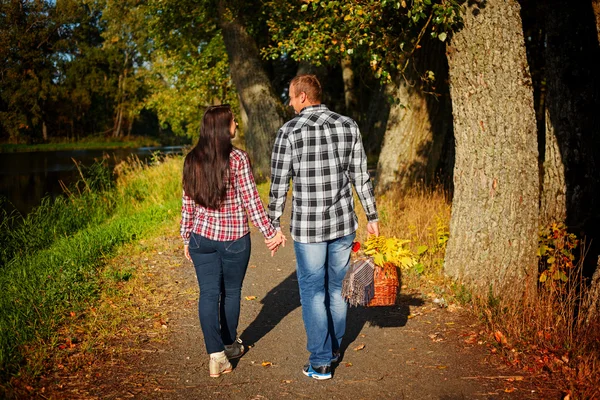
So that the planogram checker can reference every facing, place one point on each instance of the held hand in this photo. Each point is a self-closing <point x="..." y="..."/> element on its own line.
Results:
<point x="274" y="243"/>
<point x="373" y="228"/>
<point x="282" y="243"/>
<point x="186" y="251"/>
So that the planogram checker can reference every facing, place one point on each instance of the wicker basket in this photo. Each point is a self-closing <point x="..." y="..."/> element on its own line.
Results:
<point x="386" y="287"/>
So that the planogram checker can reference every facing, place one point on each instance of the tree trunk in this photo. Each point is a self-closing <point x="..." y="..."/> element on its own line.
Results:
<point x="494" y="223"/>
<point x="596" y="8"/>
<point x="374" y="125"/>
<point x="118" y="117"/>
<point x="349" y="89"/>
<point x="44" y="131"/>
<point x="570" y="176"/>
<point x="591" y="303"/>
<point x="416" y="126"/>
<point x="263" y="108"/>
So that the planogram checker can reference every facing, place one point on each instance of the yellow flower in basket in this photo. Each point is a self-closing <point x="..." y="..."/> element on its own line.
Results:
<point x="389" y="253"/>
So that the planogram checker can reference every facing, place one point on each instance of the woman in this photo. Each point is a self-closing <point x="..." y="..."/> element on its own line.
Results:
<point x="218" y="190"/>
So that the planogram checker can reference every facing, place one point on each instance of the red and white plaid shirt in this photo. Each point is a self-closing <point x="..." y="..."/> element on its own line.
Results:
<point x="230" y="222"/>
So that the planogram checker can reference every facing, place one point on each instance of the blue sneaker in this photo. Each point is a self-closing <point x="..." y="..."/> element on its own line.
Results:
<point x="335" y="357"/>
<point x="320" y="373"/>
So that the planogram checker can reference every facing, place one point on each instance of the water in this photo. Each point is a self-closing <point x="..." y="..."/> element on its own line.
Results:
<point x="25" y="178"/>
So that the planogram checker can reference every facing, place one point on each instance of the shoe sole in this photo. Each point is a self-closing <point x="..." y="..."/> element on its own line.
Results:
<point x="228" y="370"/>
<point x="316" y="376"/>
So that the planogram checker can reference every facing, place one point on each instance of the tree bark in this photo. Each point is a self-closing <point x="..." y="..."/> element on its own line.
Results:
<point x="494" y="222"/>
<point x="416" y="126"/>
<point x="44" y="131"/>
<point x="570" y="176"/>
<point x="263" y="108"/>
<point x="349" y="89"/>
<point x="596" y="8"/>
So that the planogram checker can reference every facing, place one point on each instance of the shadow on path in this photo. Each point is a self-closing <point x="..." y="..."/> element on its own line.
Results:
<point x="285" y="298"/>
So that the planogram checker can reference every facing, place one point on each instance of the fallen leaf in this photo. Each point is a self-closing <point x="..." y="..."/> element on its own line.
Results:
<point x="252" y="266"/>
<point x="348" y="364"/>
<point x="250" y="297"/>
<point x="359" y="347"/>
<point x="72" y="314"/>
<point x="509" y="390"/>
<point x="500" y="338"/>
<point x="442" y="367"/>
<point x="286" y="381"/>
<point x="267" y="363"/>
<point x="363" y="335"/>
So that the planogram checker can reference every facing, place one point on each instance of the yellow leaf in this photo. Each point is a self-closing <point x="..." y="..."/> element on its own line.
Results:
<point x="359" y="347"/>
<point x="267" y="363"/>
<point x="250" y="297"/>
<point x="378" y="259"/>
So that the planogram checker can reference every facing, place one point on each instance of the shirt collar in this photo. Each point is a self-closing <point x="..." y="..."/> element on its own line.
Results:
<point x="315" y="108"/>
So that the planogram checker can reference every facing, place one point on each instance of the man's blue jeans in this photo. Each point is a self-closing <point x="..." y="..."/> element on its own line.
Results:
<point x="220" y="269"/>
<point x="321" y="269"/>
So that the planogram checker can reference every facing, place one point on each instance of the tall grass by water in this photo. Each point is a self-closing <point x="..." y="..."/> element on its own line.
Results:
<point x="50" y="260"/>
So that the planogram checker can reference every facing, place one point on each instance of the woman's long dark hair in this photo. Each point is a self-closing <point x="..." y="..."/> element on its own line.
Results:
<point x="206" y="167"/>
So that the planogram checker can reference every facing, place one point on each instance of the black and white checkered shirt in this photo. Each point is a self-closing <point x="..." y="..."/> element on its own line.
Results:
<point x="322" y="152"/>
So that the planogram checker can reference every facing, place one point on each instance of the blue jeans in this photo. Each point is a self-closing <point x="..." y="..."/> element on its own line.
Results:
<point x="220" y="269"/>
<point x="321" y="269"/>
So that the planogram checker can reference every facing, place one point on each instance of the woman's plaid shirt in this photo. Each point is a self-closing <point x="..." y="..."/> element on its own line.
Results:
<point x="322" y="153"/>
<point x="229" y="222"/>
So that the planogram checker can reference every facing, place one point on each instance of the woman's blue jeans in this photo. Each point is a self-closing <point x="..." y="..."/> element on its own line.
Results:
<point x="220" y="269"/>
<point x="321" y="269"/>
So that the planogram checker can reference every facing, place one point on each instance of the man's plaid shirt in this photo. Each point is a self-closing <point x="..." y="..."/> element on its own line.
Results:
<point x="230" y="221"/>
<point x="322" y="152"/>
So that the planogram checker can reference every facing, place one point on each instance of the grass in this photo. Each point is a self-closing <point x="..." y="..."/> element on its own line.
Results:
<point x="42" y="285"/>
<point x="92" y="142"/>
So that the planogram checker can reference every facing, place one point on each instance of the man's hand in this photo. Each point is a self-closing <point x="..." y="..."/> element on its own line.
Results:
<point x="274" y="243"/>
<point x="373" y="228"/>
<point x="186" y="251"/>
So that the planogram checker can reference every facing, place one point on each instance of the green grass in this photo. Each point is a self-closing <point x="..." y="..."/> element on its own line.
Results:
<point x="42" y="281"/>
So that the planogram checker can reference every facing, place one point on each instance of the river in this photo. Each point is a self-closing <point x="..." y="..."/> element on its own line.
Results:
<point x="25" y="178"/>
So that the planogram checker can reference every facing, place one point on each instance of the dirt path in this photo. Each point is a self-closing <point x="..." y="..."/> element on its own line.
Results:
<point x="414" y="350"/>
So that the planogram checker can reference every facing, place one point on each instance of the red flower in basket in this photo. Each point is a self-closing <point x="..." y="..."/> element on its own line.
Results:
<point x="355" y="247"/>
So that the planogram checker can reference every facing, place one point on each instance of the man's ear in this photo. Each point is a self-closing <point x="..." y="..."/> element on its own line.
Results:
<point x="303" y="97"/>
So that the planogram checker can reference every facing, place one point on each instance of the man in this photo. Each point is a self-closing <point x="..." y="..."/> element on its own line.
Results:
<point x="322" y="153"/>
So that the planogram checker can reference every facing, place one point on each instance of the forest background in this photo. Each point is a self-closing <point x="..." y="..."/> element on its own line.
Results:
<point x="495" y="101"/>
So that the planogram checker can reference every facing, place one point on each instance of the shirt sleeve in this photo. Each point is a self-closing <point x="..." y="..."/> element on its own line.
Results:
<point x="281" y="165"/>
<point x="251" y="199"/>
<point x="361" y="179"/>
<point x="187" y="217"/>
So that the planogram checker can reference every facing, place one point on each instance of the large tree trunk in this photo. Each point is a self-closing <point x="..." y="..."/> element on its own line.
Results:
<point x="494" y="223"/>
<point x="264" y="110"/>
<point x="416" y="126"/>
<point x="570" y="176"/>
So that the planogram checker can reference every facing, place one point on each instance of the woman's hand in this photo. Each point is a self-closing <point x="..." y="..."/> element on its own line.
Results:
<point x="186" y="251"/>
<point x="276" y="241"/>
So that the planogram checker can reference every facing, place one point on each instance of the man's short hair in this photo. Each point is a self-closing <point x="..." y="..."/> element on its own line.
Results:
<point x="308" y="84"/>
